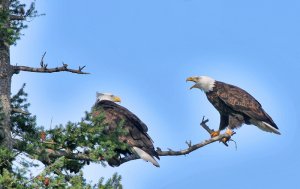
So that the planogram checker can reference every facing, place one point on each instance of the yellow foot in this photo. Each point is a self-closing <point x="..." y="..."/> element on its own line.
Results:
<point x="214" y="134"/>
<point x="230" y="133"/>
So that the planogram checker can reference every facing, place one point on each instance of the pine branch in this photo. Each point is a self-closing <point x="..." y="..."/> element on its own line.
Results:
<point x="17" y="110"/>
<point x="17" y="17"/>
<point x="69" y="155"/>
<point x="53" y="153"/>
<point x="44" y="68"/>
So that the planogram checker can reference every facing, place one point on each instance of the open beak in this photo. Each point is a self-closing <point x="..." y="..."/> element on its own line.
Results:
<point x="117" y="99"/>
<point x="193" y="79"/>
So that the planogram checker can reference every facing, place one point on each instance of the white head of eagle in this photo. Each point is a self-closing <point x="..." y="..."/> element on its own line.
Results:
<point x="204" y="83"/>
<point x="107" y="96"/>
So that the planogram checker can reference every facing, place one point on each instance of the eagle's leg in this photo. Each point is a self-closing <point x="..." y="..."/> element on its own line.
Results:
<point x="230" y="133"/>
<point x="215" y="133"/>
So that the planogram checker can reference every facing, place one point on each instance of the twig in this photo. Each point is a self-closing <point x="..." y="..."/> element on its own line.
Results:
<point x="235" y="144"/>
<point x="189" y="143"/>
<point x="42" y="62"/>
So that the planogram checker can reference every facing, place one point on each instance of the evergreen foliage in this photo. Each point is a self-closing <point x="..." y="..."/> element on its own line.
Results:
<point x="63" y="150"/>
<point x="86" y="137"/>
<point x="13" y="20"/>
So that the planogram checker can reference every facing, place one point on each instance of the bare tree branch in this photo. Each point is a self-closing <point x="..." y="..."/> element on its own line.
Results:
<point x="190" y="148"/>
<point x="170" y="152"/>
<point x="44" y="68"/>
<point x="203" y="124"/>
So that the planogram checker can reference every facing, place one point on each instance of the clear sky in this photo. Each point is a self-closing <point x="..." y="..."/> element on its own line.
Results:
<point x="143" y="51"/>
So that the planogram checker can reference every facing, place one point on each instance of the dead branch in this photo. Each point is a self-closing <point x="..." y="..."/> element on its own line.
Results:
<point x="190" y="148"/>
<point x="171" y="152"/>
<point x="203" y="124"/>
<point x="44" y="68"/>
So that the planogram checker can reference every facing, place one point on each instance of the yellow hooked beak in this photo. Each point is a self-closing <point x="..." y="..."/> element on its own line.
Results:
<point x="117" y="99"/>
<point x="191" y="79"/>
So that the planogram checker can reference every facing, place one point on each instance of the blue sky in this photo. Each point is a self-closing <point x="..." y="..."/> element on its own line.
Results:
<point x="143" y="51"/>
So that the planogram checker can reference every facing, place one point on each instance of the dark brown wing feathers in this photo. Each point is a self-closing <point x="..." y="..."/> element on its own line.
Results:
<point x="137" y="131"/>
<point x="117" y="109"/>
<point x="241" y="101"/>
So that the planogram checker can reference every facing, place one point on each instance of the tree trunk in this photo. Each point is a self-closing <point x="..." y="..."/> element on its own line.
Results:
<point x="5" y="92"/>
<point x="6" y="73"/>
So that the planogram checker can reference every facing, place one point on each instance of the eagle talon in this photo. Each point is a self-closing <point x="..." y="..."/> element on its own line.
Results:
<point x="229" y="132"/>
<point x="226" y="139"/>
<point x="214" y="134"/>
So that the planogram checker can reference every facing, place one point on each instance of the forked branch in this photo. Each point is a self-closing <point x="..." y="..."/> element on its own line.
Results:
<point x="190" y="148"/>
<point x="44" y="68"/>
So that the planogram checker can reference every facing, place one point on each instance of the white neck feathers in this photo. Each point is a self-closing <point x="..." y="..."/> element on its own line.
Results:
<point x="207" y="83"/>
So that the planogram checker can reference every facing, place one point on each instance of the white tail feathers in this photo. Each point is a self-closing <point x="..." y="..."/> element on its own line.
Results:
<point x="145" y="156"/>
<point x="264" y="126"/>
<point x="270" y="128"/>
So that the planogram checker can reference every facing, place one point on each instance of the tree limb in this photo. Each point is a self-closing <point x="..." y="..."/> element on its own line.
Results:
<point x="17" y="110"/>
<point x="210" y="131"/>
<point x="83" y="156"/>
<point x="190" y="148"/>
<point x="170" y="152"/>
<point x="75" y="156"/>
<point x="47" y="70"/>
<point x="54" y="153"/>
<point x="17" y="17"/>
<point x="44" y="68"/>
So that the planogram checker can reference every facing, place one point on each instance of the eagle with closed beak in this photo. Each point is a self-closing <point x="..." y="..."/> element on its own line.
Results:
<point x="137" y="138"/>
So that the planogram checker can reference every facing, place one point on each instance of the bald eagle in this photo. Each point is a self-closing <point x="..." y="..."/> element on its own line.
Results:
<point x="235" y="105"/>
<point x="139" y="142"/>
